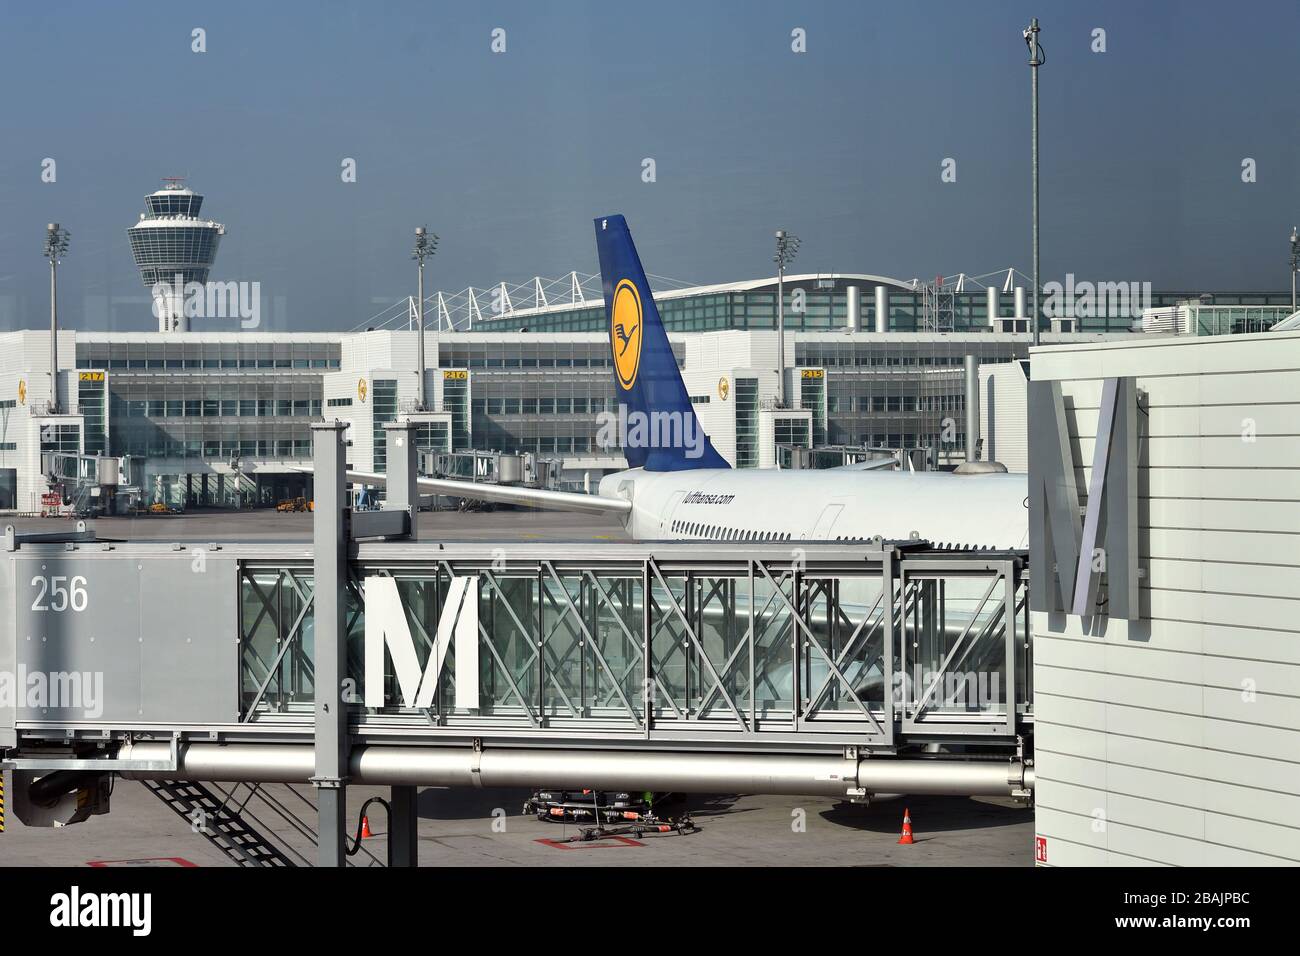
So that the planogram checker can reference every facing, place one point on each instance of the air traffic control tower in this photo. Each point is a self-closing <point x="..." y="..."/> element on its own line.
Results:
<point x="173" y="247"/>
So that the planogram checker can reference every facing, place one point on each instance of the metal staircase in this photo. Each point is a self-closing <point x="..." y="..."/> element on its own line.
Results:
<point x="223" y="828"/>
<point x="223" y="817"/>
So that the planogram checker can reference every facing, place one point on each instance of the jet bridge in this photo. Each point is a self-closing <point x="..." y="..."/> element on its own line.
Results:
<point x="369" y="657"/>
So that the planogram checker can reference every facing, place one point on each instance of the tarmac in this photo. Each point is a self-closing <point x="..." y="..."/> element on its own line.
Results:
<point x="487" y="828"/>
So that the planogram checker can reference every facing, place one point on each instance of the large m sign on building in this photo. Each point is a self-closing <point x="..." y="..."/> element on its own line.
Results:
<point x="387" y="628"/>
<point x="1072" y="549"/>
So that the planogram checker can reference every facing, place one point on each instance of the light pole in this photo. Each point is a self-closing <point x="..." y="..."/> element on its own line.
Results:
<point x="56" y="247"/>
<point x="787" y="247"/>
<point x="1295" y="262"/>
<point x="1036" y="59"/>
<point x="426" y="244"/>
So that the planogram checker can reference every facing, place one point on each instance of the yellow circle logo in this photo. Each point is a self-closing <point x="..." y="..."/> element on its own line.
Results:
<point x="22" y="391"/>
<point x="723" y="388"/>
<point x="361" y="389"/>
<point x="625" y="332"/>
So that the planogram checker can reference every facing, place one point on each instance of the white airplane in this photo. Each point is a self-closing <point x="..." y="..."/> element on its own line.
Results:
<point x="680" y="487"/>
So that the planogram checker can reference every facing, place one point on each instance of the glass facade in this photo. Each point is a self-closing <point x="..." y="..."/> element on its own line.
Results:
<point x="455" y="399"/>
<point x="746" y="422"/>
<point x="812" y="395"/>
<point x="193" y="416"/>
<point x="1236" y="319"/>
<point x="65" y="438"/>
<point x="163" y="251"/>
<point x="899" y="394"/>
<point x="813" y="306"/>
<point x="91" y="389"/>
<point x="182" y="399"/>
<point x="790" y="431"/>
<point x="163" y="354"/>
<point x="432" y="437"/>
<point x="542" y="397"/>
<point x="174" y="203"/>
<point x="383" y="411"/>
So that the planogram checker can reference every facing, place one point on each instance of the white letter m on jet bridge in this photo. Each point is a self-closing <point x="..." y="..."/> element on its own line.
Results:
<point x="1068" y="561"/>
<point x="387" y="627"/>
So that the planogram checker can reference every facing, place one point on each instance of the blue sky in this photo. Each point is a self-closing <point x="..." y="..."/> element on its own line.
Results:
<point x="508" y="157"/>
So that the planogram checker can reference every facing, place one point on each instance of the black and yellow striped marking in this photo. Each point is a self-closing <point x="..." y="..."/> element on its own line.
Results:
<point x="2" y="801"/>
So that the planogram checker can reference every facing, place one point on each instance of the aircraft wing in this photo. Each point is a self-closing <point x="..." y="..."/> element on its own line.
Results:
<point x="507" y="495"/>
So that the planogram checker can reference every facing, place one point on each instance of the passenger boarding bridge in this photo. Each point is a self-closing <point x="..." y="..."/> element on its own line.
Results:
<point x="370" y="657"/>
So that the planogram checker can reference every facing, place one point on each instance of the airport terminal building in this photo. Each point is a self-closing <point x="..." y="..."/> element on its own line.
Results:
<point x="222" y="418"/>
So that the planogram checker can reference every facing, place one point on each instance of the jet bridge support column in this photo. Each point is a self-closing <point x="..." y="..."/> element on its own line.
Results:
<point x="402" y="494"/>
<point x="332" y="747"/>
<point x="402" y="822"/>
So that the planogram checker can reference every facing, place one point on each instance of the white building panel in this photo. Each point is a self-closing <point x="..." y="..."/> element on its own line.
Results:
<point x="1182" y="729"/>
<point x="1003" y="404"/>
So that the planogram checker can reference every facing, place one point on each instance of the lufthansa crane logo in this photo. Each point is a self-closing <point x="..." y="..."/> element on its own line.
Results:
<point x="625" y="332"/>
<point x="361" y="389"/>
<point x="724" y="387"/>
<point x="22" y="392"/>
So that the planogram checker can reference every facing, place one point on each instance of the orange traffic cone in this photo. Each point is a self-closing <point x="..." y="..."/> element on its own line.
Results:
<point x="365" y="829"/>
<point x="906" y="838"/>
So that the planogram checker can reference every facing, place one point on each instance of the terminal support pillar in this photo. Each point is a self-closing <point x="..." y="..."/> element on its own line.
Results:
<point x="972" y="370"/>
<point x="402" y="493"/>
<point x="403" y="850"/>
<point x="329" y="587"/>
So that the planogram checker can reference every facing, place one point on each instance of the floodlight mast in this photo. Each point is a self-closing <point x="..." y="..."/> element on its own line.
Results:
<point x="1295" y="261"/>
<point x="426" y="244"/>
<point x="56" y="247"/>
<point x="787" y="247"/>
<point x="1036" y="59"/>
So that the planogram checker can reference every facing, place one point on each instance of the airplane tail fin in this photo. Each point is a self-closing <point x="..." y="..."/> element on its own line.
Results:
<point x="659" y="430"/>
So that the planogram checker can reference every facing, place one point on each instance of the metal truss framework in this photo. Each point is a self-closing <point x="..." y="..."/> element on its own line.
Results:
<point x="462" y="310"/>
<point x="667" y="643"/>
